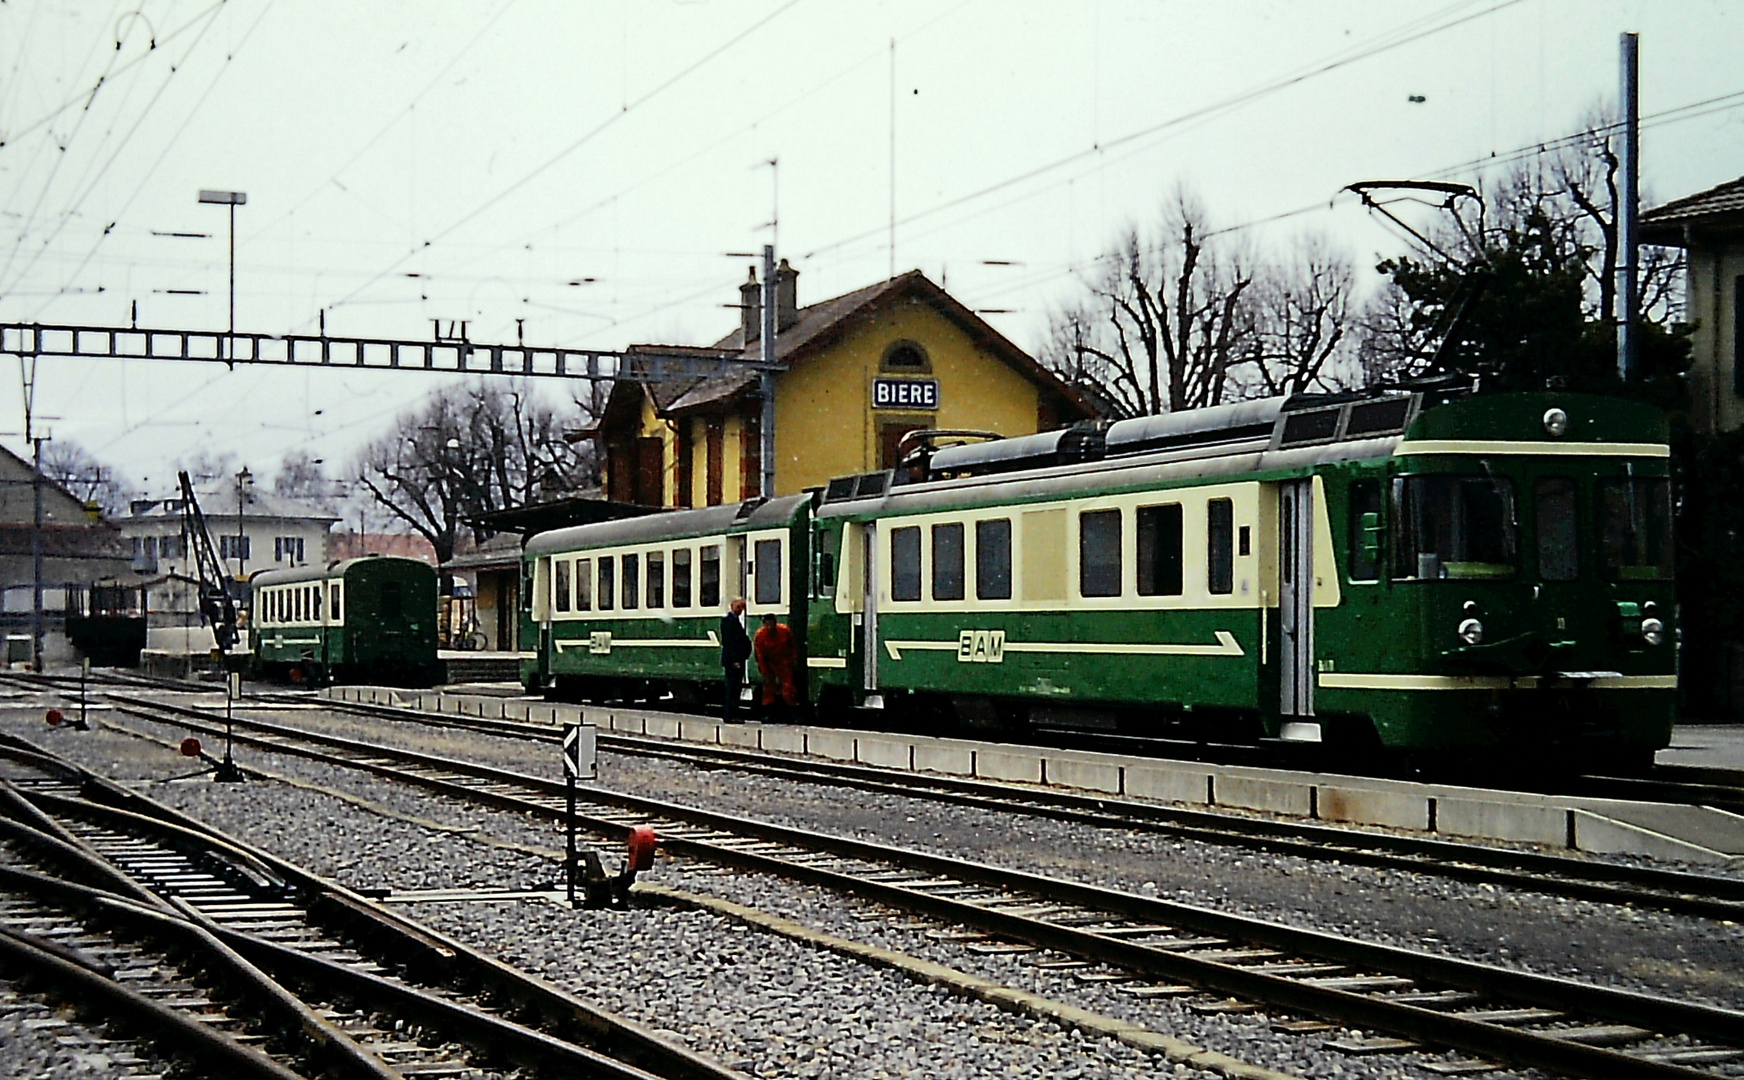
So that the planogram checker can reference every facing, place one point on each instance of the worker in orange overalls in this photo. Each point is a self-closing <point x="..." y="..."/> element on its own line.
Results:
<point x="777" y="658"/>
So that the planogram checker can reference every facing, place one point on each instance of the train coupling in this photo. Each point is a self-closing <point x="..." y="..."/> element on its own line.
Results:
<point x="604" y="890"/>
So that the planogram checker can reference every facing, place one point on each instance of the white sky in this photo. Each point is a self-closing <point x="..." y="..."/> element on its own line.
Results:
<point x="504" y="149"/>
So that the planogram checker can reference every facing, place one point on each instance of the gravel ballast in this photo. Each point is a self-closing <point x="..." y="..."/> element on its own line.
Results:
<point x="402" y="854"/>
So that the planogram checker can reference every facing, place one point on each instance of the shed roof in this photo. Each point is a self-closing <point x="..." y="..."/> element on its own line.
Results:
<point x="1716" y="211"/>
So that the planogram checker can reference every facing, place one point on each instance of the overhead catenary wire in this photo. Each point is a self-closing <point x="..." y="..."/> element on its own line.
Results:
<point x="589" y="136"/>
<point x="1381" y="44"/>
<point x="187" y="120"/>
<point x="169" y="77"/>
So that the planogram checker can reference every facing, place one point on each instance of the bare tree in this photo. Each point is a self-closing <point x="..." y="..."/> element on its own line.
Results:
<point x="1192" y="317"/>
<point x="78" y="471"/>
<point x="1302" y="330"/>
<point x="1562" y="204"/>
<point x="470" y="450"/>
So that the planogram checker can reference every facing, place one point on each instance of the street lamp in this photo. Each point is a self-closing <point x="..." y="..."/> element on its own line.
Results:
<point x="244" y="488"/>
<point x="232" y="199"/>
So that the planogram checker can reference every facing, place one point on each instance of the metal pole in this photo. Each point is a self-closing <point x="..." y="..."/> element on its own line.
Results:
<point x="84" y="677"/>
<point x="230" y="341"/>
<point x="1628" y="241"/>
<point x="766" y="381"/>
<point x="569" y="860"/>
<point x="36" y="558"/>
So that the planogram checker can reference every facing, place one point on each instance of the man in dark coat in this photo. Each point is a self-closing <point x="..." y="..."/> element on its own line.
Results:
<point x="735" y="650"/>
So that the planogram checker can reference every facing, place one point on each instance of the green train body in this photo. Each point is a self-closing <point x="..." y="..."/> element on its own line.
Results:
<point x="632" y="608"/>
<point x="1436" y="575"/>
<point x="368" y="619"/>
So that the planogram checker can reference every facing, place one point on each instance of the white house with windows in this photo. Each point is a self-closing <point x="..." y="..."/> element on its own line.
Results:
<point x="263" y="532"/>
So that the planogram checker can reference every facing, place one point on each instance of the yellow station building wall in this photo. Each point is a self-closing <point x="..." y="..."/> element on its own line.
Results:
<point x="826" y="425"/>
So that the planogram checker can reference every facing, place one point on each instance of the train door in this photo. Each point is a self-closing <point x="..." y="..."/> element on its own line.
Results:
<point x="1296" y="597"/>
<point x="869" y="609"/>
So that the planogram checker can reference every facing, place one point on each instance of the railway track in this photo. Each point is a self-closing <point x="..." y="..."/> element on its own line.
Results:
<point x="259" y="969"/>
<point x="1155" y="948"/>
<point x="1680" y="892"/>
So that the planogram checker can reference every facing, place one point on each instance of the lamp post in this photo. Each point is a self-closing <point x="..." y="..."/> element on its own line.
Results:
<point x="232" y="199"/>
<point x="244" y="487"/>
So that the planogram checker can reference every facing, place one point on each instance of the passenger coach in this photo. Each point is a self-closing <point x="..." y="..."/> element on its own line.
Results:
<point x="369" y="619"/>
<point x="631" y="609"/>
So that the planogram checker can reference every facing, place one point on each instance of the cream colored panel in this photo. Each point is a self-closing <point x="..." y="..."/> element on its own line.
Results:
<point x="1326" y="591"/>
<point x="1045" y="563"/>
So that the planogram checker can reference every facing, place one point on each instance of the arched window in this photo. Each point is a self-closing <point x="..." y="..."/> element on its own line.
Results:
<point x="906" y="358"/>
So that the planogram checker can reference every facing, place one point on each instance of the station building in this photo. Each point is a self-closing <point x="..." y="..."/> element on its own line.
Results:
<point x="863" y="370"/>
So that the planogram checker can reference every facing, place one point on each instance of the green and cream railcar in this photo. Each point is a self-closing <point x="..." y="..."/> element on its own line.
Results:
<point x="367" y="619"/>
<point x="630" y="609"/>
<point x="1475" y="574"/>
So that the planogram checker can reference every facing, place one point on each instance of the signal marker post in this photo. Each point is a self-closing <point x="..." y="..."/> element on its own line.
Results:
<point x="571" y="771"/>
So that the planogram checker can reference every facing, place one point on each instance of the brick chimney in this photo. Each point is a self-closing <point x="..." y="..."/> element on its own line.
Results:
<point x="751" y="308"/>
<point x="786" y="296"/>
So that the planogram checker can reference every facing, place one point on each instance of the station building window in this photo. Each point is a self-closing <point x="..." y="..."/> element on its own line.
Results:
<point x="906" y="358"/>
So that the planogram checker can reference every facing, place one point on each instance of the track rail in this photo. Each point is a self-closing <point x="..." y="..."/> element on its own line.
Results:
<point x="1166" y="948"/>
<point x="1681" y="892"/>
<point x="434" y="1005"/>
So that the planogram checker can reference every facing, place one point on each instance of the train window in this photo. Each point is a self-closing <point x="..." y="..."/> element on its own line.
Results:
<point x="560" y="585"/>
<point x="1453" y="528"/>
<point x="905" y="563"/>
<point x="948" y="562"/>
<point x="333" y="602"/>
<point x="656" y="579"/>
<point x="681" y="578"/>
<point x="768" y="583"/>
<point x="584" y="584"/>
<point x="1220" y="547"/>
<point x="1160" y="550"/>
<point x="1365" y="556"/>
<point x="607" y="583"/>
<point x="1635" y="528"/>
<point x="315" y="599"/>
<point x="391" y="607"/>
<point x="632" y="592"/>
<point x="709" y="585"/>
<point x="993" y="559"/>
<point x="298" y="611"/>
<point x="1557" y="522"/>
<point x="527" y="589"/>
<point x="1099" y="553"/>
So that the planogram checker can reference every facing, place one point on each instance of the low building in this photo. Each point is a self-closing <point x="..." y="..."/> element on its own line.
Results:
<point x="863" y="370"/>
<point x="78" y="550"/>
<point x="261" y="531"/>
<point x="1709" y="226"/>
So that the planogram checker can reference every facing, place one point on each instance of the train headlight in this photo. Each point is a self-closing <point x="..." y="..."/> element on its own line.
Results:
<point x="1556" y="422"/>
<point x="1652" y="631"/>
<point x="1471" y="632"/>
